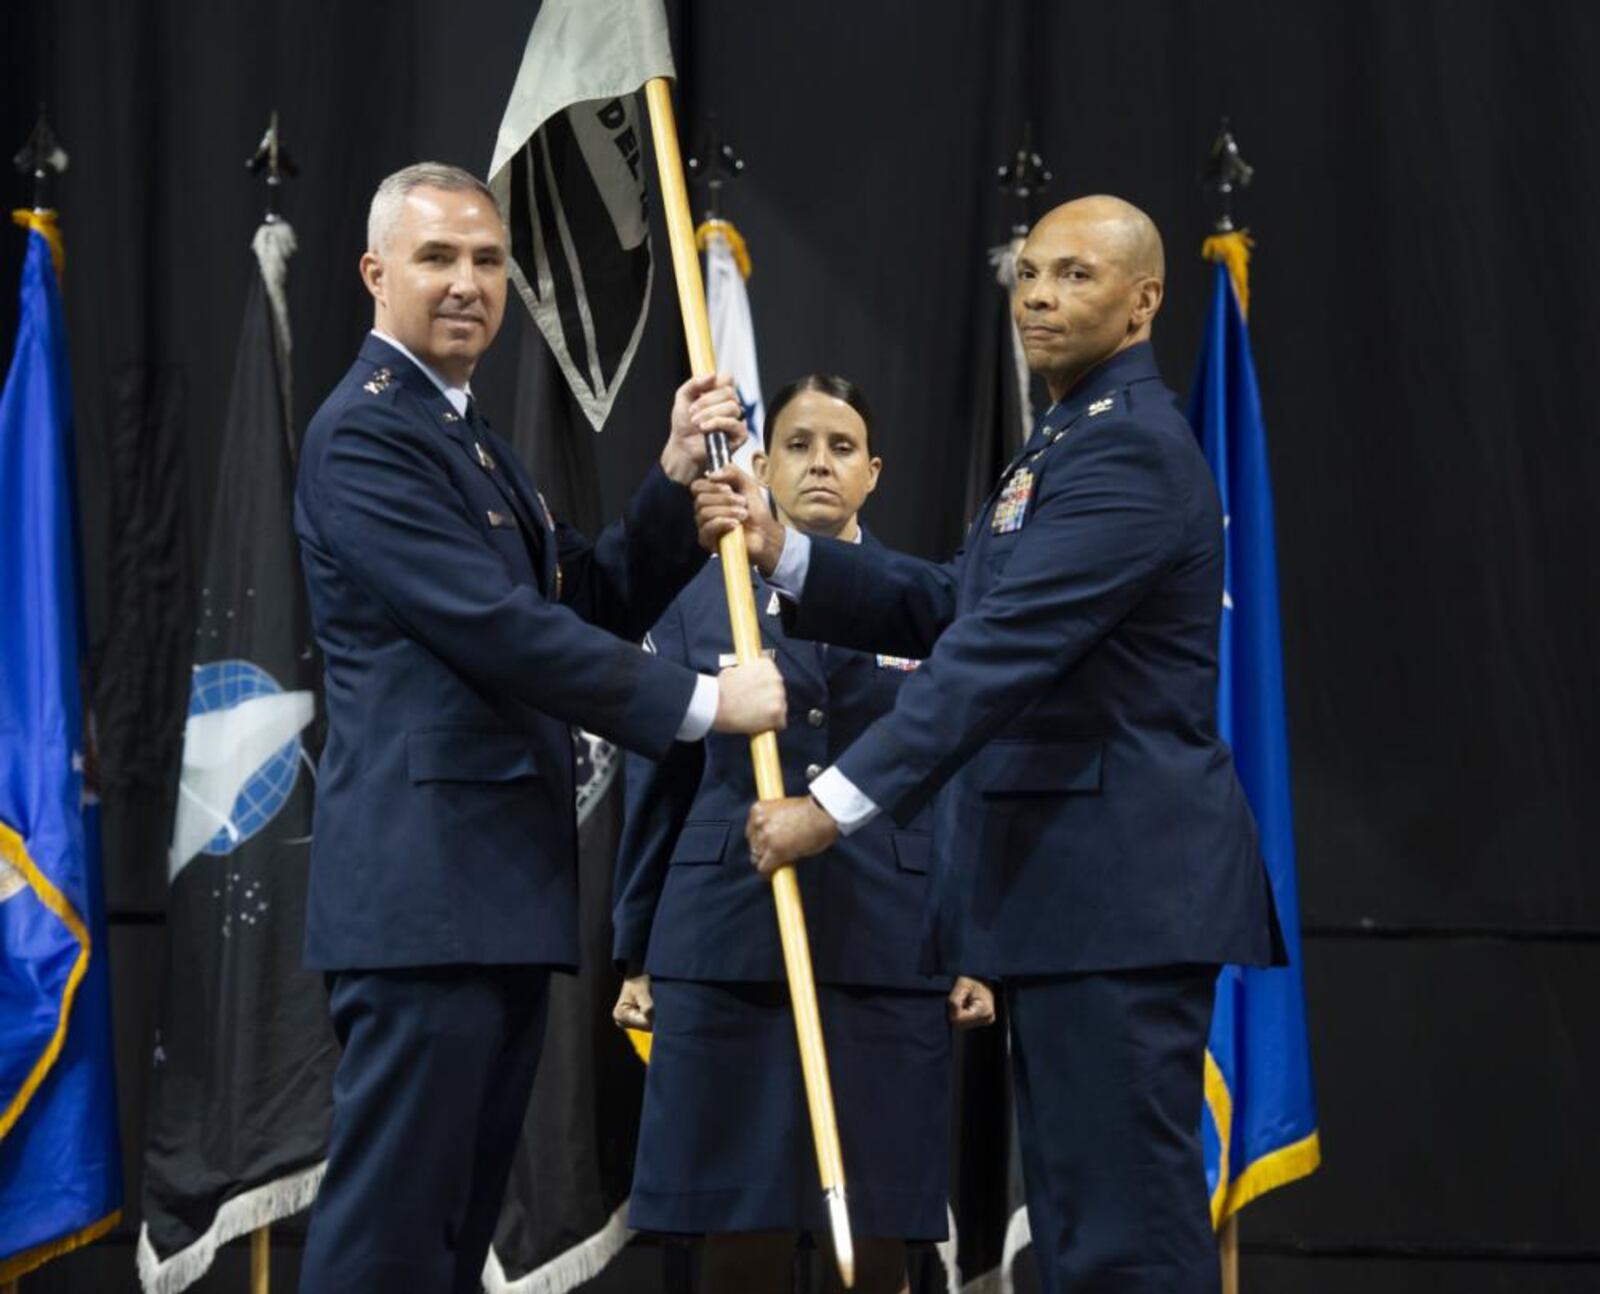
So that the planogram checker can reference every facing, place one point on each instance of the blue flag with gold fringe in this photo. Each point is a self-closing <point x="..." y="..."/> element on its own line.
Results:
<point x="60" y="1163"/>
<point x="1260" y="1124"/>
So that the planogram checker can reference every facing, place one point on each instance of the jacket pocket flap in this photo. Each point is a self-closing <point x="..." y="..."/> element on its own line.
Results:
<point x="912" y="850"/>
<point x="701" y="842"/>
<point x="457" y="755"/>
<point x="1017" y="767"/>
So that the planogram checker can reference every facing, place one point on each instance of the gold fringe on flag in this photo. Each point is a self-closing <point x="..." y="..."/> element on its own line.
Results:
<point x="45" y="223"/>
<point x="1233" y="250"/>
<point x="741" y="251"/>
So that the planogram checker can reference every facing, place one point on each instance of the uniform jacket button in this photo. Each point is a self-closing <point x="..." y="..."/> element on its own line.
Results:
<point x="816" y="718"/>
<point x="813" y="772"/>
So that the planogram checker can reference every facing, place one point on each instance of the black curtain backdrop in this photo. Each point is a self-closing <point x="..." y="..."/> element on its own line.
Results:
<point x="1424" y="322"/>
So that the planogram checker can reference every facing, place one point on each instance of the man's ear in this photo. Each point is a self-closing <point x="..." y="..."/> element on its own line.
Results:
<point x="372" y="274"/>
<point x="1147" y="301"/>
<point x="758" y="466"/>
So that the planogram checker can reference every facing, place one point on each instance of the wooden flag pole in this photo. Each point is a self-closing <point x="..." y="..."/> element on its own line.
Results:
<point x="1228" y="1243"/>
<point x="261" y="1260"/>
<point x="747" y="647"/>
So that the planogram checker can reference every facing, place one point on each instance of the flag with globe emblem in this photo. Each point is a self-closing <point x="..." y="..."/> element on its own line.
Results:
<point x="244" y="1055"/>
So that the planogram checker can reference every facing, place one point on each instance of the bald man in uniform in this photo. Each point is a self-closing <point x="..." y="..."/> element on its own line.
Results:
<point x="1096" y="850"/>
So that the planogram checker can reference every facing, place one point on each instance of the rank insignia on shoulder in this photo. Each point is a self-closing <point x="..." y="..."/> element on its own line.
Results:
<point x="1011" y="509"/>
<point x="485" y="458"/>
<point x="902" y="663"/>
<point x="499" y="520"/>
<point x="378" y="382"/>
<point x="1101" y="406"/>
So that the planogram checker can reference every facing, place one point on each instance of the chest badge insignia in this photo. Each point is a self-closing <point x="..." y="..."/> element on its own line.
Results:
<point x="772" y="603"/>
<point x="1012" y="507"/>
<point x="1101" y="406"/>
<point x="903" y="663"/>
<point x="485" y="458"/>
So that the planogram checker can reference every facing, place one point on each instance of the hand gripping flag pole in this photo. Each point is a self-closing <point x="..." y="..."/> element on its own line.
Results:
<point x="747" y="647"/>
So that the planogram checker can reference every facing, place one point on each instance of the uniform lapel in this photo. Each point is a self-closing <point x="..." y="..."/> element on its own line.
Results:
<point x="804" y="656"/>
<point x="471" y="435"/>
<point x="515" y="482"/>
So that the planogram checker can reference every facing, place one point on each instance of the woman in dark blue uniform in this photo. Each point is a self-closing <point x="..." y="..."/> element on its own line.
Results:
<point x="725" y="1148"/>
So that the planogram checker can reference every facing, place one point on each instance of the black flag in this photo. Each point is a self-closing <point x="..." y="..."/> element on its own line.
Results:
<point x="244" y="1059"/>
<point x="564" y="1215"/>
<point x="567" y="170"/>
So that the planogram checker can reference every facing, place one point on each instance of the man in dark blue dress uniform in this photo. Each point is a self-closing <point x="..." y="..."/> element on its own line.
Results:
<point x="1101" y="857"/>
<point x="725" y="1147"/>
<point x="463" y="633"/>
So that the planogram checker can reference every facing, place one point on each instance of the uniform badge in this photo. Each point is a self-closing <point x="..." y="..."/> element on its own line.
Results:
<point x="450" y="415"/>
<point x="1012" y="507"/>
<point x="378" y="382"/>
<point x="772" y="603"/>
<point x="903" y="663"/>
<point x="485" y="458"/>
<point x="549" y="518"/>
<point x="1101" y="406"/>
<point x="499" y="520"/>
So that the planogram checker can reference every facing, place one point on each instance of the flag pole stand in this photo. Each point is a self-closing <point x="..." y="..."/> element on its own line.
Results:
<point x="261" y="1260"/>
<point x="747" y="647"/>
<point x="1228" y="1246"/>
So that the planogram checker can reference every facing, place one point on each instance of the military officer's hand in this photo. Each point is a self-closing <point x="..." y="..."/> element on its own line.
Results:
<point x="750" y="698"/>
<point x="728" y="500"/>
<point x="702" y="404"/>
<point x="785" y="831"/>
<point x="971" y="1003"/>
<point x="635" y="1008"/>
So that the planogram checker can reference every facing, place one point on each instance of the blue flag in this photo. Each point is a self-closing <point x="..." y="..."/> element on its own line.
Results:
<point x="60" y="1164"/>
<point x="1260" y="1126"/>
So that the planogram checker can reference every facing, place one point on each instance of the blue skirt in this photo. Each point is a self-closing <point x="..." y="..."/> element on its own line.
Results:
<point x="725" y="1141"/>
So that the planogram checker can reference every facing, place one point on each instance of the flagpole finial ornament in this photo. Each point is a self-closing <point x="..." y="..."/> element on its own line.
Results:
<point x="712" y="164"/>
<point x="271" y="160"/>
<point x="41" y="157"/>
<point x="1225" y="172"/>
<point x="1022" y="177"/>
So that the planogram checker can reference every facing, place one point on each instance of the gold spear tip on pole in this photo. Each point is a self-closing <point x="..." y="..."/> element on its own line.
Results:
<point x="844" y="1248"/>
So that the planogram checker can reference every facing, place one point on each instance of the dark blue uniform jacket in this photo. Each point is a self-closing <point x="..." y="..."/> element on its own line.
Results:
<point x="688" y="903"/>
<point x="463" y="632"/>
<point x="1092" y="819"/>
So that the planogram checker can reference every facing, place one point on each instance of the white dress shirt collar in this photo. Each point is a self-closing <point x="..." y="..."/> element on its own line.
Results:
<point x="457" y="395"/>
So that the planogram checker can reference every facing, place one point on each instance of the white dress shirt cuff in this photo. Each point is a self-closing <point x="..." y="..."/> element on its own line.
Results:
<point x="842" y="800"/>
<point x="702" y="710"/>
<point x="789" y="575"/>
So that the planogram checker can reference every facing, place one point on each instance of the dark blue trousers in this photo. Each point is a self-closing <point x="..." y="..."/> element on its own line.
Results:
<point x="428" y="1104"/>
<point x="1109" y="1074"/>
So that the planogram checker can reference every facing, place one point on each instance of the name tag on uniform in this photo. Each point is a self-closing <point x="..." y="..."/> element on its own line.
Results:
<point x="904" y="663"/>
<point x="500" y="521"/>
<point x="1012" y="507"/>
